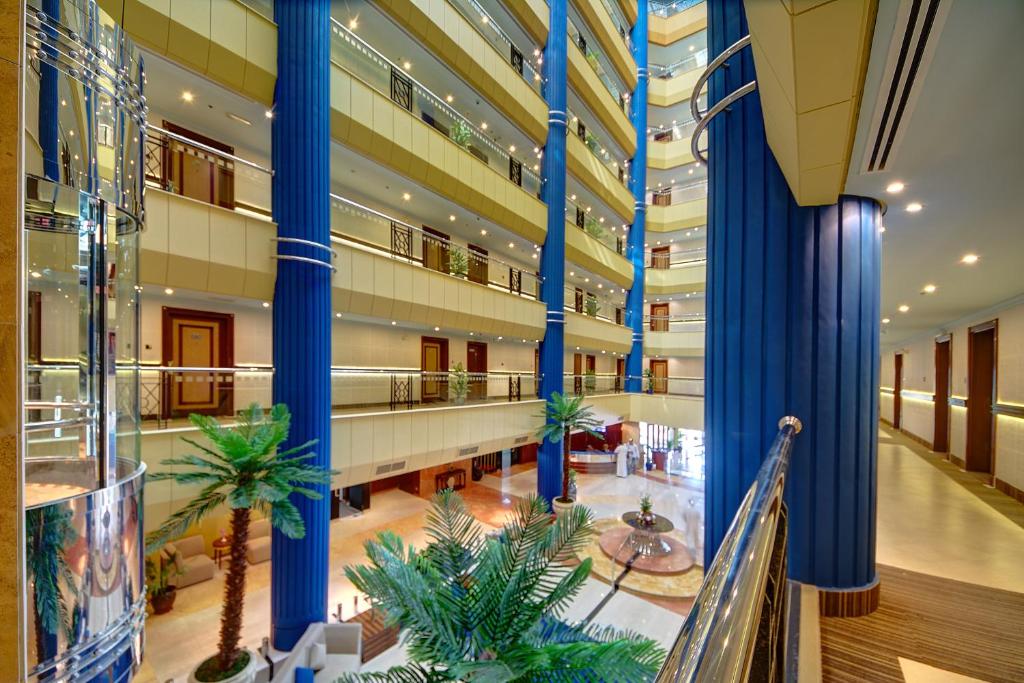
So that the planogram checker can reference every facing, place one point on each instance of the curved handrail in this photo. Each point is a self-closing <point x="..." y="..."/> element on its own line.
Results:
<point x="717" y="639"/>
<point x="710" y="69"/>
<point x="719" y="107"/>
<point x="703" y="119"/>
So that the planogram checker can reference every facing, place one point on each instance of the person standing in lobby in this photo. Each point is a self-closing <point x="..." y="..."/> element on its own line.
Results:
<point x="622" y="460"/>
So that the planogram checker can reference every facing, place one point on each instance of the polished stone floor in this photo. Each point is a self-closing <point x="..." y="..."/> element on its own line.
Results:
<point x="177" y="640"/>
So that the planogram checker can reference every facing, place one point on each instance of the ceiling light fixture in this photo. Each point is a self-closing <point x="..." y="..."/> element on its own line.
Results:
<point x="353" y="23"/>
<point x="452" y="218"/>
<point x="187" y="97"/>
<point x="885" y="321"/>
<point x="483" y="232"/>
<point x="449" y="99"/>
<point x="268" y="114"/>
<point x="406" y="65"/>
<point x="903" y="308"/>
<point x="266" y="304"/>
<point x="969" y="259"/>
<point x="914" y="207"/>
<point x="894" y="188"/>
<point x="406" y="196"/>
<point x="168" y="291"/>
<point x="929" y="289"/>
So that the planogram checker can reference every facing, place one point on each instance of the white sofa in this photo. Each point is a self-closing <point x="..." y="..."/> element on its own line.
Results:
<point x="329" y="649"/>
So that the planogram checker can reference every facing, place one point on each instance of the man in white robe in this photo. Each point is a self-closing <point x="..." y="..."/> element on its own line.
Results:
<point x="622" y="460"/>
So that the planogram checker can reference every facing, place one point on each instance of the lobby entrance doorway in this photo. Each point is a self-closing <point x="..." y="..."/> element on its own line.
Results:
<point x="197" y="339"/>
<point x="943" y="376"/>
<point x="981" y="397"/>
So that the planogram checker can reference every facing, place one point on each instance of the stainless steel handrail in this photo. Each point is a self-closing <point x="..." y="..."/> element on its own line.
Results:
<point x="703" y="119"/>
<point x="717" y="639"/>
<point x="211" y="150"/>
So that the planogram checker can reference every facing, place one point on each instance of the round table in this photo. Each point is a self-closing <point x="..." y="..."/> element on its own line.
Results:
<point x="646" y="539"/>
<point x="220" y="549"/>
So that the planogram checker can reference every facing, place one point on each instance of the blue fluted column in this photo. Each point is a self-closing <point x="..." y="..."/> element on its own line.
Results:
<point x="552" y="263"/>
<point x="638" y="186"/>
<point x="302" y="298"/>
<point x="49" y="103"/>
<point x="793" y="308"/>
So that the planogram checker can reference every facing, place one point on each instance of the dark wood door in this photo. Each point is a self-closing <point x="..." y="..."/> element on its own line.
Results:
<point x="578" y="301"/>
<point x="436" y="250"/>
<point x="197" y="339"/>
<point x="659" y="317"/>
<point x="198" y="173"/>
<point x="660" y="257"/>
<point x="981" y="390"/>
<point x="477" y="264"/>
<point x="659" y="372"/>
<point x="940" y="440"/>
<point x="897" y="390"/>
<point x="476" y="364"/>
<point x="434" y="369"/>
<point x="577" y="373"/>
<point x="620" y="373"/>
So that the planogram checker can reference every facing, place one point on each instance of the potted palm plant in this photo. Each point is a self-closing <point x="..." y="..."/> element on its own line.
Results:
<point x="458" y="383"/>
<point x="592" y="306"/>
<point x="480" y="608"/>
<point x="161" y="568"/>
<point x="458" y="262"/>
<point x="243" y="470"/>
<point x="563" y="416"/>
<point x="590" y="381"/>
<point x="49" y="532"/>
<point x="647" y="517"/>
<point x="649" y="381"/>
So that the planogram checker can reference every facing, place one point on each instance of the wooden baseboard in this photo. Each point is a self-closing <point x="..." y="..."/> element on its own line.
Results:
<point x="1010" y="490"/>
<point x="887" y="423"/>
<point x="914" y="437"/>
<point x="958" y="461"/>
<point x="854" y="602"/>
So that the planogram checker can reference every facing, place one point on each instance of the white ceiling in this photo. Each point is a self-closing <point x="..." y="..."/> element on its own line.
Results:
<point x="962" y="158"/>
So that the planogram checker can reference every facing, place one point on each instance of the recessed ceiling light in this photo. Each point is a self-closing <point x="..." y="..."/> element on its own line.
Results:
<point x="483" y="232"/>
<point x="511" y="148"/>
<point x="406" y="65"/>
<point x="266" y="304"/>
<point x="187" y="97"/>
<point x="269" y="113"/>
<point x="483" y="125"/>
<point x="881" y="228"/>
<point x="168" y="291"/>
<point x="903" y="308"/>
<point x="692" y="48"/>
<point x="885" y="321"/>
<point x="394" y="322"/>
<point x="969" y="259"/>
<point x="449" y="99"/>
<point x="914" y="207"/>
<point x="572" y="197"/>
<point x="894" y="188"/>
<point x="353" y="23"/>
<point x="572" y="273"/>
<point x="36" y="274"/>
<point x="511" y="245"/>
<point x="452" y="217"/>
<point x="929" y="289"/>
<point x="437" y="329"/>
<point x="406" y="196"/>
<point x="337" y="315"/>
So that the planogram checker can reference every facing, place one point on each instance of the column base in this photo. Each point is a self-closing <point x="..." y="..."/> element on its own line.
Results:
<point x="849" y="602"/>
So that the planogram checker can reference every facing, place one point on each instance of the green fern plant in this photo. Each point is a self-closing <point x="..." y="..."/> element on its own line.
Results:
<point x="595" y="230"/>
<point x="591" y="307"/>
<point x="561" y="417"/>
<point x="474" y="608"/>
<point x="244" y="471"/>
<point x="458" y="262"/>
<point x="461" y="133"/>
<point x="49" y="532"/>
<point x="458" y="383"/>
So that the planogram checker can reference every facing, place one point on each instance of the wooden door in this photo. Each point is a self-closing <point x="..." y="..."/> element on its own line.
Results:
<point x="897" y="390"/>
<point x="662" y="198"/>
<point x="981" y="395"/>
<point x="578" y="301"/>
<point x="659" y="370"/>
<point x="436" y="250"/>
<point x="620" y="373"/>
<point x="476" y="364"/>
<point x="477" y="264"/>
<point x="659" y="317"/>
<point x="660" y="257"/>
<point x="197" y="339"/>
<point x="577" y="373"/>
<point x="197" y="173"/>
<point x="940" y="439"/>
<point x="434" y="369"/>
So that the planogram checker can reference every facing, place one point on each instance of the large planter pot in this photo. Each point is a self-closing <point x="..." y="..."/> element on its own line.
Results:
<point x="246" y="675"/>
<point x="163" y="602"/>
<point x="561" y="506"/>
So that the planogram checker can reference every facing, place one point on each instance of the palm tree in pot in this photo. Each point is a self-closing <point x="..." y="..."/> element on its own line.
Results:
<point x="563" y="416"/>
<point x="49" y="532"/>
<point x="244" y="471"/>
<point x="477" y="608"/>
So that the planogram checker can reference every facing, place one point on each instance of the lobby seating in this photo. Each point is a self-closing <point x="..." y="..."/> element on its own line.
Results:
<point x="196" y="566"/>
<point x="259" y="541"/>
<point x="328" y="649"/>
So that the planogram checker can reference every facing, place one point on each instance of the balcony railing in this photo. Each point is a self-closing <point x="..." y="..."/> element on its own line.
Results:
<point x="381" y="233"/>
<point x="578" y="215"/>
<point x="590" y="383"/>
<point x="363" y="61"/>
<point x="178" y="164"/>
<point x="698" y="59"/>
<point x="476" y="15"/>
<point x="680" y="131"/>
<point x="597" y="147"/>
<point x="664" y="260"/>
<point x="677" y="194"/>
<point x="620" y="23"/>
<point x="596" y="305"/>
<point x="680" y="322"/>
<point x="264" y="7"/>
<point x="593" y="58"/>
<point x="666" y="8"/>
<point x="673" y="385"/>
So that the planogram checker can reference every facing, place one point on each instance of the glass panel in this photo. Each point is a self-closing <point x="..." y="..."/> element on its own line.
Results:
<point x="517" y="56"/>
<point x="612" y="237"/>
<point x="123" y="304"/>
<point x="596" y="60"/>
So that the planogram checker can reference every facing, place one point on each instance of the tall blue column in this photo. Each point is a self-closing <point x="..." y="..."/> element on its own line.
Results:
<point x="552" y="264"/>
<point x="302" y="298"/>
<point x="49" y="103"/>
<point x="793" y="308"/>
<point x="638" y="186"/>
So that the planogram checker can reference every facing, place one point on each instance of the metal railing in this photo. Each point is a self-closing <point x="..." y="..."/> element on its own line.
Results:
<point x="679" y="131"/>
<point x="595" y="304"/>
<point x="703" y="118"/>
<point x="213" y="176"/>
<point x="597" y="147"/>
<point x="484" y="23"/>
<point x="662" y="260"/>
<point x="666" y="8"/>
<point x="694" y="60"/>
<point x="366" y="63"/>
<point x="735" y="627"/>
<point x="678" y="194"/>
<point x="680" y="322"/>
<point x="590" y="383"/>
<point x="610" y="236"/>
<point x="377" y="231"/>
<point x="619" y="20"/>
<point x="593" y="58"/>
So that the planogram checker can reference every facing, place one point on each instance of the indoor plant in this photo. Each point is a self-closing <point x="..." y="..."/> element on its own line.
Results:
<point x="561" y="417"/>
<point x="573" y="485"/>
<point x="458" y="263"/>
<point x="591" y="307"/>
<point x="458" y="383"/>
<point x="649" y="381"/>
<point x="244" y="471"/>
<point x="474" y="608"/>
<point x="460" y="133"/>
<point x="646" y="510"/>
<point x="49" y="532"/>
<point x="594" y="229"/>
<point x="161" y="568"/>
<point x="590" y="380"/>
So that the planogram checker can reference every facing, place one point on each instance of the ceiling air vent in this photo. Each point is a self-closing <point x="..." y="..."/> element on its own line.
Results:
<point x="918" y="23"/>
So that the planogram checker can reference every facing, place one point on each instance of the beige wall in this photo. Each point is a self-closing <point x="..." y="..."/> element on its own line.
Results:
<point x="919" y="376"/>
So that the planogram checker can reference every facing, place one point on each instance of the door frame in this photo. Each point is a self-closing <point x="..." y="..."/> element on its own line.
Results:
<point x="651" y="316"/>
<point x="661" y="362"/>
<point x="475" y="385"/>
<point x="226" y="355"/>
<point x="992" y="325"/>
<point x="897" y="390"/>
<point x="442" y="389"/>
<point x="940" y="433"/>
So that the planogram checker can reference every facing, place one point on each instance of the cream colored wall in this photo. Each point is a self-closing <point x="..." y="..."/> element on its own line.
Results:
<point x="593" y="333"/>
<point x="689" y="343"/>
<point x="678" y="216"/>
<point x="919" y="375"/>
<point x="599" y="100"/>
<point x="665" y="92"/>
<point x="676" y="280"/>
<point x="589" y="252"/>
<point x="612" y="45"/>
<point x="598" y="178"/>
<point x="667" y="30"/>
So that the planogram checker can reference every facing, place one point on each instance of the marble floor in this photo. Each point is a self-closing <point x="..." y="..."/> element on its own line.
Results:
<point x="176" y="641"/>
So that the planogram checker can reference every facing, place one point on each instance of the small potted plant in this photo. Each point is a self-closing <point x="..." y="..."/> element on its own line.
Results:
<point x="595" y="230"/>
<point x="162" y="568"/>
<point x="460" y="133"/>
<point x="458" y="384"/>
<point x="561" y="416"/>
<point x="590" y="381"/>
<point x="458" y="263"/>
<point x="591" y="307"/>
<point x="573" y="487"/>
<point x="649" y="380"/>
<point x="647" y="516"/>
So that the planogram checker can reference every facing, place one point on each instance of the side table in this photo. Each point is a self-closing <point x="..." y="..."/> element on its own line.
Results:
<point x="220" y="549"/>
